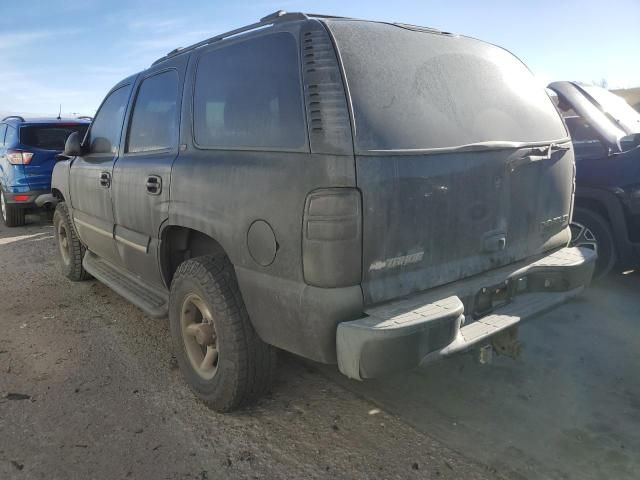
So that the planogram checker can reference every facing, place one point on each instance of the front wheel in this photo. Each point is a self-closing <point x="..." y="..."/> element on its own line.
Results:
<point x="591" y="230"/>
<point x="219" y="353"/>
<point x="70" y="248"/>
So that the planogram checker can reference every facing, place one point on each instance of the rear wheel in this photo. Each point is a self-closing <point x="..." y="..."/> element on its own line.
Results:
<point x="11" y="215"/>
<point x="70" y="248"/>
<point x="219" y="353"/>
<point x="591" y="230"/>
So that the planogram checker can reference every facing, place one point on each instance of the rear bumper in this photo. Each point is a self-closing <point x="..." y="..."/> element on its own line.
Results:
<point x="35" y="199"/>
<point x="400" y="335"/>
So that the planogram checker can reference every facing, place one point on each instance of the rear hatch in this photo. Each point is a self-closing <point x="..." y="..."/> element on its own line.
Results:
<point x="45" y="141"/>
<point x="463" y="161"/>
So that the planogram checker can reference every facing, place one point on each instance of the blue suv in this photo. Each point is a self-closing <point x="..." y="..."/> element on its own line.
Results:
<point x="28" y="150"/>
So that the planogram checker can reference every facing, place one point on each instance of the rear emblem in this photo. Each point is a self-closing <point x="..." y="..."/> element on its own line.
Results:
<point x="397" y="261"/>
<point x="561" y="220"/>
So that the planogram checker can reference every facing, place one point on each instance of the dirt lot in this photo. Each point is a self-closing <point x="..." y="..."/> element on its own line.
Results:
<point x="89" y="389"/>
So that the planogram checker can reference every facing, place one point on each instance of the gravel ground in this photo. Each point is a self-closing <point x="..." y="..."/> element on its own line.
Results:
<point x="89" y="389"/>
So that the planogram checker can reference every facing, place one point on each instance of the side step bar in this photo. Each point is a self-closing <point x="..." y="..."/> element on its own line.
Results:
<point x="153" y="301"/>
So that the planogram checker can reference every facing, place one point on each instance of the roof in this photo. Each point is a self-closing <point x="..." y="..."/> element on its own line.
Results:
<point x="42" y="120"/>
<point x="276" y="18"/>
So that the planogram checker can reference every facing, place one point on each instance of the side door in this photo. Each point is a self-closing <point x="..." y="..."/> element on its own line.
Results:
<point x="90" y="176"/>
<point x="142" y="173"/>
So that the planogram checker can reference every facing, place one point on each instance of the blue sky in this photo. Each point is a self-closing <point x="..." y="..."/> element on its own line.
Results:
<point x="72" y="51"/>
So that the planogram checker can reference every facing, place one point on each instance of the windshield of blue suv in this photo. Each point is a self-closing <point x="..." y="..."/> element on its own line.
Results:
<point x="413" y="89"/>
<point x="49" y="137"/>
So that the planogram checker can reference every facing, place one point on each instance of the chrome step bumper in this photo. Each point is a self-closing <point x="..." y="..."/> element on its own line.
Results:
<point x="430" y="325"/>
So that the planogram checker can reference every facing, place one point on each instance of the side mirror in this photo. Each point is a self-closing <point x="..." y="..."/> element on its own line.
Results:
<point x="73" y="145"/>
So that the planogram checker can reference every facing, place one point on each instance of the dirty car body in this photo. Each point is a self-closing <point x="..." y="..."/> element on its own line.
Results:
<point x="409" y="199"/>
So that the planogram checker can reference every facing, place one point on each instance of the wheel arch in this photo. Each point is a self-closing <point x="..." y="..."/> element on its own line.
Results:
<point x="179" y="243"/>
<point x="607" y="205"/>
<point x="60" y="180"/>
<point x="58" y="194"/>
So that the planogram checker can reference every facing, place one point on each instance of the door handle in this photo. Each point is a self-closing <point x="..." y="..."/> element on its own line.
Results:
<point x="154" y="185"/>
<point x="105" y="179"/>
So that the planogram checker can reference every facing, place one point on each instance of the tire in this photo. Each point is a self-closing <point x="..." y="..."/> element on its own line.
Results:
<point x="591" y="230"/>
<point x="70" y="249"/>
<point x="219" y="353"/>
<point x="11" y="216"/>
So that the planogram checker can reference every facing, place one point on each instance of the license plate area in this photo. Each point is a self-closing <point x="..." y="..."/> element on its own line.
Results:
<point x="489" y="298"/>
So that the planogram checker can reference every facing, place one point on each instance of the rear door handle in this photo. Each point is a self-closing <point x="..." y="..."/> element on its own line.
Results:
<point x="154" y="185"/>
<point x="105" y="179"/>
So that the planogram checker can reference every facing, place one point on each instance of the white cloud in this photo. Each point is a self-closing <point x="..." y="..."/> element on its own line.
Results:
<point x="22" y="91"/>
<point x="156" y="24"/>
<point x="17" y="39"/>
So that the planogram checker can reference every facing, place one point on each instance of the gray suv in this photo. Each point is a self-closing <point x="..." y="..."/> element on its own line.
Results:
<point x="369" y="194"/>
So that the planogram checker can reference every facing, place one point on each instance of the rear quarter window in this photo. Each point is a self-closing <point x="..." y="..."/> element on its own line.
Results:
<point x="249" y="95"/>
<point x="49" y="137"/>
<point x="413" y="89"/>
<point x="11" y="137"/>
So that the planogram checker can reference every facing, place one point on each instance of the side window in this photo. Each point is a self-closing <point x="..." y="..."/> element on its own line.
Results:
<point x="154" y="123"/>
<point x="105" y="130"/>
<point x="3" y="130"/>
<point x="11" y="136"/>
<point x="249" y="95"/>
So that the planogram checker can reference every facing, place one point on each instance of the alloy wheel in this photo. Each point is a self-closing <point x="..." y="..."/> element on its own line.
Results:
<point x="581" y="236"/>
<point x="63" y="243"/>
<point x="199" y="336"/>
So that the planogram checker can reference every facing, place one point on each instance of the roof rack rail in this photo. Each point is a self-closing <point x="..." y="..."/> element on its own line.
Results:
<point x="275" y="17"/>
<point x="85" y="117"/>
<point x="320" y="15"/>
<point x="17" y="117"/>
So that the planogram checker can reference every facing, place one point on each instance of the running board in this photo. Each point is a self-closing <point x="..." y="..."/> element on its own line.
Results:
<point x="153" y="301"/>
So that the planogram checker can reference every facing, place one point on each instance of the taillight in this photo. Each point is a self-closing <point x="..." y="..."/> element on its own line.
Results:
<point x="18" y="157"/>
<point x="332" y="238"/>
<point x="21" y="198"/>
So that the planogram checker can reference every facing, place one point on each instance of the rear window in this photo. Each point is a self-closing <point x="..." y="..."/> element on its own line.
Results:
<point x="412" y="89"/>
<point x="249" y="95"/>
<point x="49" y="137"/>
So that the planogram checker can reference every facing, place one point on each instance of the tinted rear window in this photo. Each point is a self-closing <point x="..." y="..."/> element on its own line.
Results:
<point x="249" y="95"/>
<point x="418" y="90"/>
<point x="49" y="137"/>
